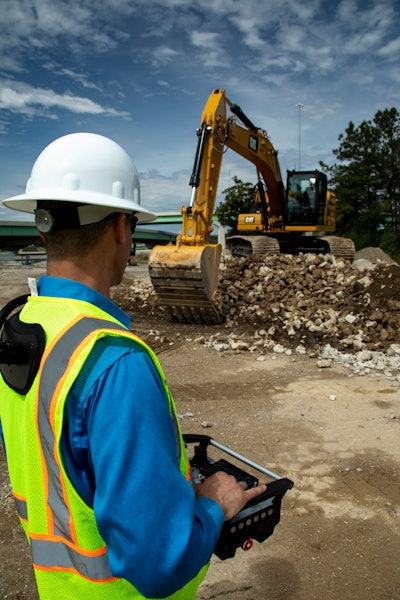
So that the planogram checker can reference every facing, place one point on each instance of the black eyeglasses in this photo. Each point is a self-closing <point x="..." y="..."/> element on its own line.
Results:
<point x="132" y="221"/>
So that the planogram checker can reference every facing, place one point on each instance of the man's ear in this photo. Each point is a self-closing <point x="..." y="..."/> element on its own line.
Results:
<point x="120" y="228"/>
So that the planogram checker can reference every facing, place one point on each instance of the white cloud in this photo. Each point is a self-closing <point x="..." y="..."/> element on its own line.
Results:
<point x="82" y="79"/>
<point x="32" y="26"/>
<point x="204" y="39"/>
<point x="162" y="55"/>
<point x="391" y="49"/>
<point x="164" y="193"/>
<point x="211" y="48"/>
<point x="25" y="99"/>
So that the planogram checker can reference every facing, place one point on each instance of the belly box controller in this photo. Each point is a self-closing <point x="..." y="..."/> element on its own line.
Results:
<point x="257" y="520"/>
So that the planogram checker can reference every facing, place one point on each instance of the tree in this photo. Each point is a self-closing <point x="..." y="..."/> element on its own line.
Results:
<point x="366" y="181"/>
<point x="238" y="199"/>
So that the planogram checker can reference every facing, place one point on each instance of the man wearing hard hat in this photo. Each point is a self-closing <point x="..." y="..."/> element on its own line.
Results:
<point x="96" y="459"/>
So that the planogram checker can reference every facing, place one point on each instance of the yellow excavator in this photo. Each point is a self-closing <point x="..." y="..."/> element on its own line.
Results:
<point x="185" y="274"/>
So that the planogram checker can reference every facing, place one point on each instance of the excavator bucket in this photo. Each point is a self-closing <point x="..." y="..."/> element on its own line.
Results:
<point x="185" y="279"/>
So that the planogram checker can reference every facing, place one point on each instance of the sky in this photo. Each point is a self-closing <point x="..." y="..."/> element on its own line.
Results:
<point x="141" y="71"/>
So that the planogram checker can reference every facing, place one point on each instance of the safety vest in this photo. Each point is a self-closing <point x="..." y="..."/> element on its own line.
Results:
<point x="69" y="555"/>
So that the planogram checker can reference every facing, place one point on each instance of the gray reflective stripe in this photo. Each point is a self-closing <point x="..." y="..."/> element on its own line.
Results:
<point x="58" y="555"/>
<point x="55" y="366"/>
<point x="21" y="508"/>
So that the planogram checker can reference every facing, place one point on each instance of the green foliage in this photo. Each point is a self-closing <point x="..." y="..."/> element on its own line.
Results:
<point x="238" y="199"/>
<point x="366" y="180"/>
<point x="389" y="244"/>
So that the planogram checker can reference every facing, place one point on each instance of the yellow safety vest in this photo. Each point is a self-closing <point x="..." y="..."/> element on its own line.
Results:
<point x="69" y="556"/>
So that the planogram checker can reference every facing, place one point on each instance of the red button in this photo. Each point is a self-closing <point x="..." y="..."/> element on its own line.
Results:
<point x="247" y="545"/>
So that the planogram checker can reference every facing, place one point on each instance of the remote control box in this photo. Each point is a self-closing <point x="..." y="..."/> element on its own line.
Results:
<point x="257" y="520"/>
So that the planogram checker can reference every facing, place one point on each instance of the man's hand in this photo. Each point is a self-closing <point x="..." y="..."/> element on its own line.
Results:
<point x="230" y="495"/>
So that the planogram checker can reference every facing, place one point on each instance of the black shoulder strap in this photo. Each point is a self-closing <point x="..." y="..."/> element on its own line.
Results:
<point x="21" y="347"/>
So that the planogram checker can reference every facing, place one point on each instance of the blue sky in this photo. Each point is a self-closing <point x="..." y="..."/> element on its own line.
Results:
<point x="140" y="72"/>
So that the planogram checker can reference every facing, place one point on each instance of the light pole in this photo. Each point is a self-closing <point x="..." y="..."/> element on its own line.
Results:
<point x="299" y="105"/>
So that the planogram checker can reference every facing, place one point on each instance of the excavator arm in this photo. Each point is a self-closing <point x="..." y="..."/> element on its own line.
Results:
<point x="197" y="217"/>
<point x="185" y="274"/>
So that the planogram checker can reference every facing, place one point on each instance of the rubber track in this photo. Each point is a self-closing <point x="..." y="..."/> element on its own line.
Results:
<point x="341" y="247"/>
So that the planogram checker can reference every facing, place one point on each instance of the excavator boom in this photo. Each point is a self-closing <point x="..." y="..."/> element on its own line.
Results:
<point x="185" y="275"/>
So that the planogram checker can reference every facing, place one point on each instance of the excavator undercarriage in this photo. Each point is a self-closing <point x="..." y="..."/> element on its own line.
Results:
<point x="262" y="245"/>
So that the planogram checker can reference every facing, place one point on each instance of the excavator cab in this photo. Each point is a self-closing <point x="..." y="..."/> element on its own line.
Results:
<point x="306" y="198"/>
<point x="306" y="205"/>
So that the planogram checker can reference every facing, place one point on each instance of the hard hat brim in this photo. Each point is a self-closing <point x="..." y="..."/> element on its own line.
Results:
<point x="28" y="202"/>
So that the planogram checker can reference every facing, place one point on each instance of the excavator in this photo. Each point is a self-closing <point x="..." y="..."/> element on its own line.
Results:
<point x="292" y="220"/>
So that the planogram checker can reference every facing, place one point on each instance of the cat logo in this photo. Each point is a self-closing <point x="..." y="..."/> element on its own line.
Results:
<point x="253" y="143"/>
<point x="249" y="219"/>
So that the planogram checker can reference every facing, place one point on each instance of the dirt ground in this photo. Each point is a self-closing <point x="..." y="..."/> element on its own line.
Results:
<point x="336" y="435"/>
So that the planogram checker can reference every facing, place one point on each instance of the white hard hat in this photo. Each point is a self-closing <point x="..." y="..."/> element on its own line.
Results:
<point x="87" y="169"/>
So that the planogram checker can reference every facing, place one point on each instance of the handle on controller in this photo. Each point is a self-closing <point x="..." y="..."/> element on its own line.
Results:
<point x="205" y="440"/>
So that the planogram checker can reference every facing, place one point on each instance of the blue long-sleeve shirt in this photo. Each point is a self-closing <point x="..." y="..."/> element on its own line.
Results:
<point x="119" y="450"/>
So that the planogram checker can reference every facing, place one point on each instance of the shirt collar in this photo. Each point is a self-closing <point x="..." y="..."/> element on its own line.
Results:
<point x="56" y="287"/>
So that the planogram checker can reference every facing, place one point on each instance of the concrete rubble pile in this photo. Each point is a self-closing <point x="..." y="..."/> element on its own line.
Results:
<point x="314" y="299"/>
<point x="327" y="308"/>
<point x="332" y="309"/>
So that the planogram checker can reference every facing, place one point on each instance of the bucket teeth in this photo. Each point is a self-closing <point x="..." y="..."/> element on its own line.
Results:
<point x="182" y="296"/>
<point x="185" y="280"/>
